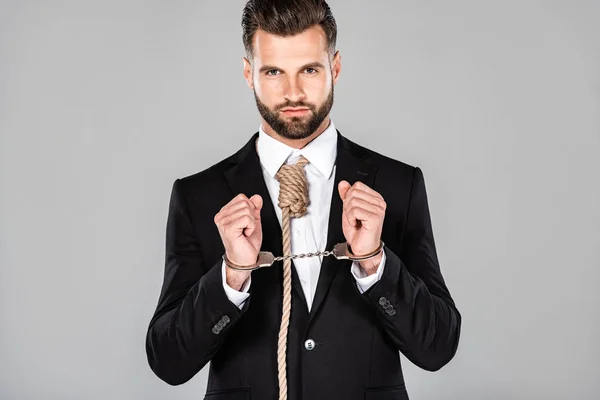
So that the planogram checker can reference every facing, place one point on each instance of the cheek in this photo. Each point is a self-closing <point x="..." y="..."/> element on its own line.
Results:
<point x="317" y="88"/>
<point x="268" y="90"/>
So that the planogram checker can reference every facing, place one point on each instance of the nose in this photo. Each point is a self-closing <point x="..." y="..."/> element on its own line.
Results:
<point x="293" y="90"/>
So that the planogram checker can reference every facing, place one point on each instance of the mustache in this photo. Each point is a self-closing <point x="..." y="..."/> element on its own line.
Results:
<point x="294" y="104"/>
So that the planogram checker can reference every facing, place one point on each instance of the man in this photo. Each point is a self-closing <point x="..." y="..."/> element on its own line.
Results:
<point x="348" y="320"/>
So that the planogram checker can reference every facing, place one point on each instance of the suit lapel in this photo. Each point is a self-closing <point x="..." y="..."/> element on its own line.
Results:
<point x="352" y="165"/>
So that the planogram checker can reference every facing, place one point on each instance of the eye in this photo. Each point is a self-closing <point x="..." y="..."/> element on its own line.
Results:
<point x="311" y="71"/>
<point x="271" y="70"/>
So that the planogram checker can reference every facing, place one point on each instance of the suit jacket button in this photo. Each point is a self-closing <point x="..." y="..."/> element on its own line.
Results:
<point x="382" y="300"/>
<point x="309" y="344"/>
<point x="226" y="319"/>
<point x="391" y="312"/>
<point x="216" y="330"/>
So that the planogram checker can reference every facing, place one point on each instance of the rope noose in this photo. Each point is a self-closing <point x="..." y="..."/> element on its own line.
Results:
<point x="293" y="201"/>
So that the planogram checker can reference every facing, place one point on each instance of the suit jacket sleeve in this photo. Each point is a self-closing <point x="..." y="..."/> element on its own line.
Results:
<point x="194" y="314"/>
<point x="411" y="300"/>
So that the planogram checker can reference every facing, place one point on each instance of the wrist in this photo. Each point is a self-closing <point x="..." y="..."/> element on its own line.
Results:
<point x="370" y="265"/>
<point x="236" y="279"/>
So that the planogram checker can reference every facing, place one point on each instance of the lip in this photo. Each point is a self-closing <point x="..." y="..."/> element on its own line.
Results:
<point x="295" y="111"/>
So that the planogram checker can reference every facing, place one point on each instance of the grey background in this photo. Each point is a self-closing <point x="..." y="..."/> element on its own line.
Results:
<point x="103" y="104"/>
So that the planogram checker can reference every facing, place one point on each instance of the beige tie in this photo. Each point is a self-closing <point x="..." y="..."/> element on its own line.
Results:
<point x="293" y="201"/>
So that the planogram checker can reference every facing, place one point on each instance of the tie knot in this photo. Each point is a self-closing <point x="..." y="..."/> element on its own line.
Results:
<point x="293" y="187"/>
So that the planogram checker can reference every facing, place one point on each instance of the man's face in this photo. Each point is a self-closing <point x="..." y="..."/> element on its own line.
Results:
<point x="293" y="81"/>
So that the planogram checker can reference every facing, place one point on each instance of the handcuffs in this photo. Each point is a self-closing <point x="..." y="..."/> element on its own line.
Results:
<point x="341" y="251"/>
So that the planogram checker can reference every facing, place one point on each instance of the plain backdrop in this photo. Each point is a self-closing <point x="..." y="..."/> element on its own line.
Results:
<point x="103" y="104"/>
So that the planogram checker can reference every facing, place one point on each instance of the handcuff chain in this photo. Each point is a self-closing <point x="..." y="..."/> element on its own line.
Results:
<point x="340" y="251"/>
<point x="294" y="256"/>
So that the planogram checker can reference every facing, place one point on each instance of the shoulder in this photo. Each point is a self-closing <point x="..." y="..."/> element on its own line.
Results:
<point x="215" y="173"/>
<point x="385" y="163"/>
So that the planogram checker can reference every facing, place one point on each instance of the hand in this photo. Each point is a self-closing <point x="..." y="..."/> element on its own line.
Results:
<point x="362" y="220"/>
<point x="240" y="228"/>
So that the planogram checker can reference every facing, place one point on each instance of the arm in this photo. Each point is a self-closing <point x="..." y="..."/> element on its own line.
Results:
<point x="193" y="314"/>
<point x="411" y="300"/>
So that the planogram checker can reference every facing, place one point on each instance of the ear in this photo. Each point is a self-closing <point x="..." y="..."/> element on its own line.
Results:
<point x="248" y="73"/>
<point x="336" y="66"/>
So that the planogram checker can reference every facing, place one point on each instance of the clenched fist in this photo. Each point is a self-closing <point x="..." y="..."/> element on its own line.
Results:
<point x="362" y="220"/>
<point x="240" y="229"/>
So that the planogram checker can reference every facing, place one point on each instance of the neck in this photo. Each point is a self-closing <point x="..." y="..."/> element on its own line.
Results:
<point x="296" y="143"/>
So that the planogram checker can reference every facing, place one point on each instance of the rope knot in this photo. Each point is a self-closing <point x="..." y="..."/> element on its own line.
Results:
<point x="293" y="188"/>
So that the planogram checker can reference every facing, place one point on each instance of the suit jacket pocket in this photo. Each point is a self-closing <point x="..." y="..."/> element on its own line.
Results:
<point x="387" y="393"/>
<point x="228" y="394"/>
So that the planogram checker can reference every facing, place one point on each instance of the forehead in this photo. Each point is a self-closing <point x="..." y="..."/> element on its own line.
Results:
<point x="309" y="45"/>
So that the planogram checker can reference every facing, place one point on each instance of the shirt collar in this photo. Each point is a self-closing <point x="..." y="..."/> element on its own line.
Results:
<point x="320" y="152"/>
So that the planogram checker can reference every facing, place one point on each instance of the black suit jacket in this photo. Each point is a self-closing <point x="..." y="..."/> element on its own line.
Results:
<point x="358" y="336"/>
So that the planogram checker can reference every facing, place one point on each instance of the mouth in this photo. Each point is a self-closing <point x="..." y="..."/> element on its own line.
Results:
<point x="295" y="111"/>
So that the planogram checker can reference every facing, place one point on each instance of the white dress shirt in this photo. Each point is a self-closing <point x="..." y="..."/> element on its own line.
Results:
<point x="309" y="232"/>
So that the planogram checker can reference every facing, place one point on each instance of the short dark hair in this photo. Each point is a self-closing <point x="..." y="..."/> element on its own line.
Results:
<point x="287" y="18"/>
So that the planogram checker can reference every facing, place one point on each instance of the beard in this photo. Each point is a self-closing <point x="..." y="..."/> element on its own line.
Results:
<point x="296" y="127"/>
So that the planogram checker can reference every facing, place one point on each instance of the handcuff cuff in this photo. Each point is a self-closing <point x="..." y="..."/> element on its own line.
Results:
<point x="341" y="251"/>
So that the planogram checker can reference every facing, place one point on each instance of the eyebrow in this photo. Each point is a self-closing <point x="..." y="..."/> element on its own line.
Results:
<point x="315" y="64"/>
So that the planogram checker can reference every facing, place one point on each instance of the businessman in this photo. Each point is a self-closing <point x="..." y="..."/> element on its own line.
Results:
<point x="299" y="186"/>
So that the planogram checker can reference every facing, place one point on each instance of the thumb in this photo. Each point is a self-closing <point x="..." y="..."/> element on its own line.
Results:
<point x="343" y="187"/>
<point x="257" y="201"/>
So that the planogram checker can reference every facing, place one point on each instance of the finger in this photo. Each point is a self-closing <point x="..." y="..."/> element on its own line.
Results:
<point x="243" y="226"/>
<point x="257" y="200"/>
<point x="368" y="197"/>
<point x="244" y="211"/>
<point x="343" y="188"/>
<point x="234" y="205"/>
<point x="361" y="203"/>
<point x="239" y="221"/>
<point x="363" y="188"/>
<point x="366" y="218"/>
<point x="241" y="205"/>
